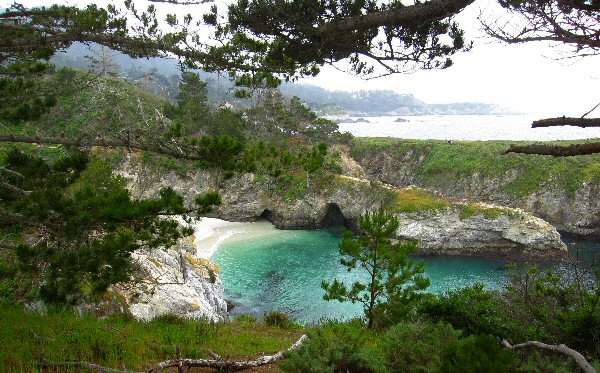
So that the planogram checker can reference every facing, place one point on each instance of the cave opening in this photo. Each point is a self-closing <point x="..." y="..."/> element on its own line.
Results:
<point x="333" y="217"/>
<point x="266" y="215"/>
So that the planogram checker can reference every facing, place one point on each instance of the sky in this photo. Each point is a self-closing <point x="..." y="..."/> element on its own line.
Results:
<point x="528" y="78"/>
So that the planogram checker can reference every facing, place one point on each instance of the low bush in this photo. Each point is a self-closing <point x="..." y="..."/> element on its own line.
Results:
<point x="337" y="347"/>
<point x="474" y="310"/>
<point x="476" y="354"/>
<point x="278" y="318"/>
<point x="416" y="347"/>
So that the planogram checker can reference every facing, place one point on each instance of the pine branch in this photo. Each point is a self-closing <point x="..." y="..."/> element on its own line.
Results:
<point x="180" y="154"/>
<point x="565" y="121"/>
<point x="555" y="150"/>
<point x="13" y="189"/>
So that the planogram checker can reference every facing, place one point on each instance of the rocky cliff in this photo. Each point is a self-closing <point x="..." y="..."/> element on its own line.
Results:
<point x="175" y="282"/>
<point x="443" y="227"/>
<point x="564" y="192"/>
<point x="511" y="234"/>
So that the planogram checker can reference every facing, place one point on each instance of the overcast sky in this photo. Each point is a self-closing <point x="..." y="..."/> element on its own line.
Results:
<point x="526" y="77"/>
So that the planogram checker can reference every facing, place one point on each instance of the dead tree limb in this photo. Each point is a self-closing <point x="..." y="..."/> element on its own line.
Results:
<point x="566" y="121"/>
<point x="219" y="363"/>
<point x="594" y="108"/>
<point x="561" y="348"/>
<point x="555" y="150"/>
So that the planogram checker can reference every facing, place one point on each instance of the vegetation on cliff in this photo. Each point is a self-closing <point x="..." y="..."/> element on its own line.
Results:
<point x="435" y="164"/>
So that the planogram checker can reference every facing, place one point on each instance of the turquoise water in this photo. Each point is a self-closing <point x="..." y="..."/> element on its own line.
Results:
<point x="284" y="271"/>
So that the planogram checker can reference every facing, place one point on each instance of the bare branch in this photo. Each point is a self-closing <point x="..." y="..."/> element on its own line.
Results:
<point x="594" y="108"/>
<point x="579" y="358"/>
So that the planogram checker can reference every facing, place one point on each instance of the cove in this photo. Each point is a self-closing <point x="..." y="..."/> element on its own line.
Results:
<point x="266" y="269"/>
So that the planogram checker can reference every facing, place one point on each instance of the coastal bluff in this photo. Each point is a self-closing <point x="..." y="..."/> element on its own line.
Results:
<point x="443" y="227"/>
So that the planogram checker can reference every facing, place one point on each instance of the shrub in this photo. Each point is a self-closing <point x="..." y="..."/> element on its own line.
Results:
<point x="337" y="347"/>
<point x="417" y="347"/>
<point x="278" y="318"/>
<point x="473" y="310"/>
<point x="170" y="319"/>
<point x="476" y="354"/>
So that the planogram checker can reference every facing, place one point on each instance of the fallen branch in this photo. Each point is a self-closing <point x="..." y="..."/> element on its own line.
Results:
<point x="219" y="363"/>
<point x="565" y="121"/>
<point x="555" y="150"/>
<point x="579" y="358"/>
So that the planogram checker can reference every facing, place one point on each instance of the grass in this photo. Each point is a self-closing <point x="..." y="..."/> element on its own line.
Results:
<point x="123" y="342"/>
<point x="412" y="200"/>
<point x="436" y="164"/>
<point x="415" y="200"/>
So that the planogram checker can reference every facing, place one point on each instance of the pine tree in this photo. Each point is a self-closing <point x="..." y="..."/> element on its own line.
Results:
<point x="394" y="279"/>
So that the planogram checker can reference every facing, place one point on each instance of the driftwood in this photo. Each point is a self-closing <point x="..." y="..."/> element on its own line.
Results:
<point x="579" y="358"/>
<point x="556" y="151"/>
<point x="217" y="362"/>
<point x="566" y="121"/>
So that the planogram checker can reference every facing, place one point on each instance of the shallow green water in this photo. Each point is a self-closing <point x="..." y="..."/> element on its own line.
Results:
<point x="284" y="271"/>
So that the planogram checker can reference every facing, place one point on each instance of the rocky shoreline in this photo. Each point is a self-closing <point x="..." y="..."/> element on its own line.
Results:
<point x="189" y="285"/>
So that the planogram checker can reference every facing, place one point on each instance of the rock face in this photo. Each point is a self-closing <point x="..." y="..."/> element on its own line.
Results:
<point x="342" y="200"/>
<point x="175" y="282"/>
<point x="575" y="212"/>
<point x="513" y="234"/>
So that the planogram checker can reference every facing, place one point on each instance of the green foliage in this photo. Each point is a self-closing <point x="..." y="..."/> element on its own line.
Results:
<point x="536" y="305"/>
<point x="554" y="309"/>
<point x="475" y="354"/>
<point x="435" y="164"/>
<point x="474" y="310"/>
<point x="417" y="347"/>
<point x="394" y="279"/>
<point x="119" y="340"/>
<point x="538" y="362"/>
<point x="74" y="225"/>
<point x="282" y="39"/>
<point x="336" y="347"/>
<point x="415" y="200"/>
<point x="278" y="318"/>
<point x="207" y="201"/>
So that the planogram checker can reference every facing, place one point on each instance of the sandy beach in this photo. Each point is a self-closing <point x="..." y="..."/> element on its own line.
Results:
<point x="210" y="233"/>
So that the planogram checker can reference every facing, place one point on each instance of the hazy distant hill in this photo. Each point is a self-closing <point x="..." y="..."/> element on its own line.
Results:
<point x="160" y="76"/>
<point x="380" y="102"/>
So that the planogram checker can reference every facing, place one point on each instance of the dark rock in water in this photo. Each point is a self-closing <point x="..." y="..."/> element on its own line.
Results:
<point x="274" y="276"/>
<point x="401" y="120"/>
<point x="230" y="305"/>
<point x="361" y="120"/>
